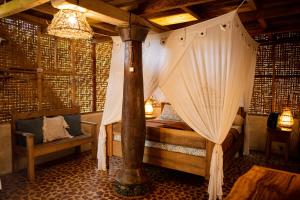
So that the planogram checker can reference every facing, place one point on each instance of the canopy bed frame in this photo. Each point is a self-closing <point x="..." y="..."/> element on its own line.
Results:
<point x="198" y="165"/>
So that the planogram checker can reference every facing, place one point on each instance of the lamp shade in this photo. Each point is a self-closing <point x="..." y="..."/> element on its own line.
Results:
<point x="148" y="107"/>
<point x="70" y="24"/>
<point x="286" y="120"/>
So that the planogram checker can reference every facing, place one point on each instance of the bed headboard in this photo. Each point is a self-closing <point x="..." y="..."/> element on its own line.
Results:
<point x="241" y="110"/>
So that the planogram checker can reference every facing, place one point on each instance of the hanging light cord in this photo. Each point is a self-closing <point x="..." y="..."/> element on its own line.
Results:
<point x="241" y="4"/>
<point x="130" y="24"/>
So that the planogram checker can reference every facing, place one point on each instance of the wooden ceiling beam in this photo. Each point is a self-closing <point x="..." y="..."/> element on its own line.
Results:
<point x="127" y="4"/>
<point x="97" y="29"/>
<point x="17" y="6"/>
<point x="271" y="12"/>
<point x="261" y="21"/>
<point x="124" y="2"/>
<point x="106" y="27"/>
<point x="188" y="10"/>
<point x="275" y="29"/>
<point x="155" y="6"/>
<point x="32" y="19"/>
<point x="108" y="13"/>
<point x="252" y="4"/>
<point x="48" y="9"/>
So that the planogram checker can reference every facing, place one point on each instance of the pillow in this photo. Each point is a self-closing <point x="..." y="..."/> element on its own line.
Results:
<point x="55" y="128"/>
<point x="238" y="120"/>
<point x="33" y="126"/>
<point x="168" y="113"/>
<point x="74" y="124"/>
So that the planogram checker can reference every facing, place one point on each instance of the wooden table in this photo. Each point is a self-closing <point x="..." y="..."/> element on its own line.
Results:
<point x="278" y="135"/>
<point x="261" y="183"/>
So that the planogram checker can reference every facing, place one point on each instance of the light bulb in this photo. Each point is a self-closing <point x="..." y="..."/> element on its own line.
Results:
<point x="148" y="108"/>
<point x="72" y="19"/>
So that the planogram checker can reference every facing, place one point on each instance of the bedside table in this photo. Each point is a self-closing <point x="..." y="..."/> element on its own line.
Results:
<point x="278" y="135"/>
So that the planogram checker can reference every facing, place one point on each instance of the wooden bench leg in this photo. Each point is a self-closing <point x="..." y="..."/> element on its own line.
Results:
<point x="78" y="149"/>
<point x="30" y="157"/>
<point x="94" y="142"/>
<point x="94" y="150"/>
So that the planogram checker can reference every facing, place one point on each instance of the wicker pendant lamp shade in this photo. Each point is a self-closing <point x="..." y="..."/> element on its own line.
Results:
<point x="70" y="24"/>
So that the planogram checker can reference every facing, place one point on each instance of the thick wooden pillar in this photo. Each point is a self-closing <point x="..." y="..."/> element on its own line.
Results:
<point x="131" y="180"/>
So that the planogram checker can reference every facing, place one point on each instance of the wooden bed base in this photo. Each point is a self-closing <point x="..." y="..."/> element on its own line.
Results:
<point x="183" y="162"/>
<point x="179" y="161"/>
<point x="173" y="160"/>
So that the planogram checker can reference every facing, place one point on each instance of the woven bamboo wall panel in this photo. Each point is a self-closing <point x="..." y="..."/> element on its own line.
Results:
<point x="102" y="66"/>
<point x="47" y="52"/>
<point x="56" y="92"/>
<point x="84" y="73"/>
<point x="63" y="55"/>
<point x="264" y="64"/>
<point x="277" y="74"/>
<point x="18" y="92"/>
<point x="61" y="70"/>
<point x="287" y="59"/>
<point x="22" y="39"/>
<point x="284" y="88"/>
<point x="262" y="96"/>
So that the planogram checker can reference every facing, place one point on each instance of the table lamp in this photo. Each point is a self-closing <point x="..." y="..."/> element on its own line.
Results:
<point x="286" y="120"/>
<point x="148" y="108"/>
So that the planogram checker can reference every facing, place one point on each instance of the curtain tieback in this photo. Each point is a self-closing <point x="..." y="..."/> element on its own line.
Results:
<point x="216" y="173"/>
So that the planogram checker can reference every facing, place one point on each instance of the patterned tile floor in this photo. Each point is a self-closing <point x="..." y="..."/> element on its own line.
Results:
<point x="76" y="178"/>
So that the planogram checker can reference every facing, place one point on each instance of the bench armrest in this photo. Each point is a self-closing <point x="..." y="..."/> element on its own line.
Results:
<point x="25" y="134"/>
<point x="89" y="123"/>
<point x="94" y="137"/>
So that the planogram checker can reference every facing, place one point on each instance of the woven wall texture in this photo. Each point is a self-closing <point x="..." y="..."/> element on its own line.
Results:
<point x="277" y="74"/>
<point x="41" y="72"/>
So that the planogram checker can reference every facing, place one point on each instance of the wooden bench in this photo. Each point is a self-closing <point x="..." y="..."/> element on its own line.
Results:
<point x="32" y="151"/>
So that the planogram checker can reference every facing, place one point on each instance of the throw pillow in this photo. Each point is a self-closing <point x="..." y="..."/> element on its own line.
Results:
<point x="55" y="128"/>
<point x="74" y="124"/>
<point x="33" y="126"/>
<point x="168" y="113"/>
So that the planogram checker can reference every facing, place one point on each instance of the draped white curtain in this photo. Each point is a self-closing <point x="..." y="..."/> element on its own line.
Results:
<point x="114" y="94"/>
<point x="204" y="71"/>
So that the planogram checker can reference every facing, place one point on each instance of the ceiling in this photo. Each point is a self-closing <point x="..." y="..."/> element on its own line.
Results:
<point x="258" y="16"/>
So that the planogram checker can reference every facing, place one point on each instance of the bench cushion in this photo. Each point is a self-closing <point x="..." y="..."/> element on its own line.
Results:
<point x="74" y="124"/>
<point x="33" y="126"/>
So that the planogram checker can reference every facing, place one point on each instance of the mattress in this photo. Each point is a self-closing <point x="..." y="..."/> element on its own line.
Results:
<point x="229" y="141"/>
<point x="170" y="147"/>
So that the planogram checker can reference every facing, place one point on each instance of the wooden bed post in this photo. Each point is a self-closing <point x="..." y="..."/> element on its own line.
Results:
<point x="109" y="140"/>
<point x="130" y="180"/>
<point x="209" y="149"/>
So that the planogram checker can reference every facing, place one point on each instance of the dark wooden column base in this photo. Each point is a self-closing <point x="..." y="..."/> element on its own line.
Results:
<point x="131" y="190"/>
<point x="131" y="176"/>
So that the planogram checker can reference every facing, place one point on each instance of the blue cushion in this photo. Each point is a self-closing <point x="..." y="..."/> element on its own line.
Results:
<point x="33" y="126"/>
<point x="74" y="124"/>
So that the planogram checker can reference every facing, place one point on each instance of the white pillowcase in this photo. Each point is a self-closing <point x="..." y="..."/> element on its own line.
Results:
<point x="238" y="120"/>
<point x="55" y="128"/>
<point x="168" y="113"/>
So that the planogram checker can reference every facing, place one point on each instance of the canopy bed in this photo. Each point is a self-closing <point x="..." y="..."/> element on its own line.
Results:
<point x="205" y="71"/>
<point x="173" y="144"/>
